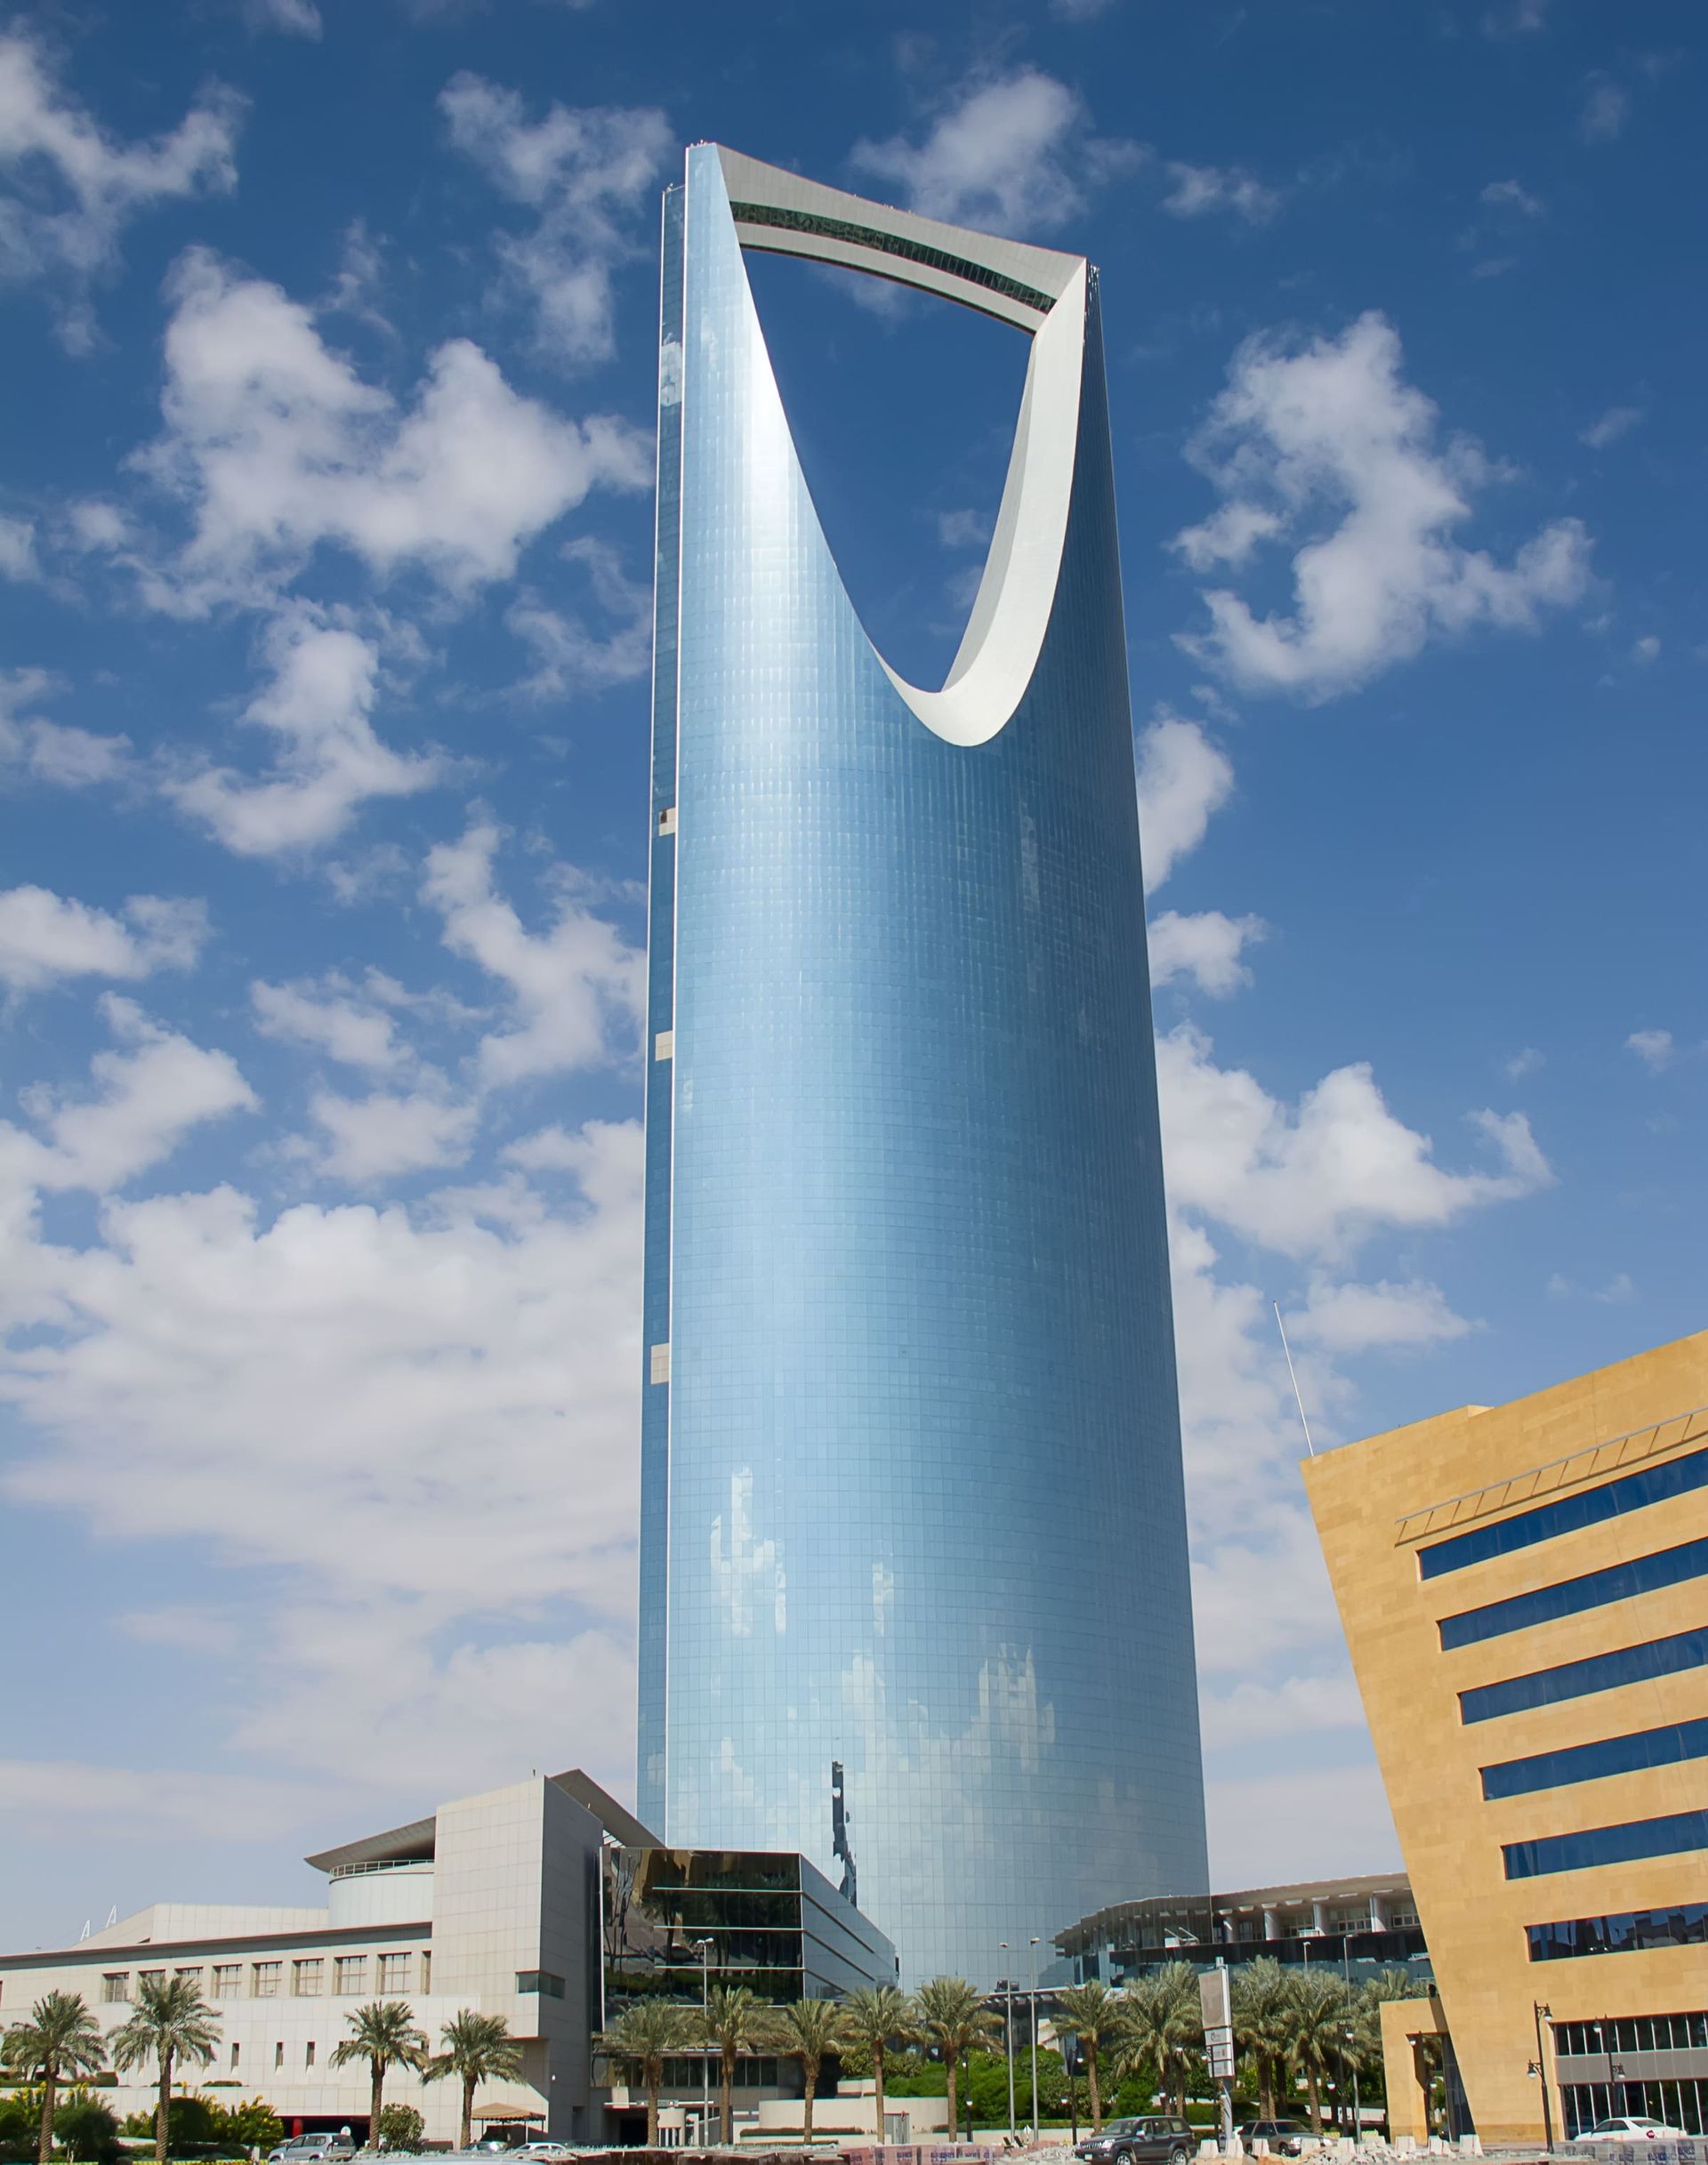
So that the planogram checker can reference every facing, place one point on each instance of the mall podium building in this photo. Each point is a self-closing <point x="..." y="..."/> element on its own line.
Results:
<point x="910" y="1408"/>
<point x="544" y="1902"/>
<point x="1356" y="1926"/>
<point x="1525" y="1592"/>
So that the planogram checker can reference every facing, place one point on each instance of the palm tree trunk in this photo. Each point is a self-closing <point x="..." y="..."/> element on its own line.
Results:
<point x="467" y="2135"/>
<point x="809" y="2074"/>
<point x="1266" y="2084"/>
<point x="727" y="2096"/>
<point x="654" y="2081"/>
<point x="954" y="2071"/>
<point x="163" y="2111"/>
<point x="44" y="2138"/>
<point x="1096" y="2099"/>
<point x="375" y="2096"/>
<point x="877" y="2070"/>
<point x="1312" y="2092"/>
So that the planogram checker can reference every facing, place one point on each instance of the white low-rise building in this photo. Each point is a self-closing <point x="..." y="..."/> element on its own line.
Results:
<point x="490" y="1903"/>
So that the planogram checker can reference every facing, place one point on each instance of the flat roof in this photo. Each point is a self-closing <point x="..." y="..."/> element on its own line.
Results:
<point x="415" y="1840"/>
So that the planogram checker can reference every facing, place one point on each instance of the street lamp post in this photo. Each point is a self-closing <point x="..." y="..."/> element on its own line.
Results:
<point x="1032" y="1997"/>
<point x="1539" y="2010"/>
<point x="1008" y="2034"/>
<point x="703" y="1948"/>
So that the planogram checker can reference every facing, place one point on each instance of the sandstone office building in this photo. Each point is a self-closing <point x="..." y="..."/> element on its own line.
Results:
<point x="1525" y="1591"/>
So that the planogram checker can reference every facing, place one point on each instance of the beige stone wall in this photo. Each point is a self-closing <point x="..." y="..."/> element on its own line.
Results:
<point x="1473" y="1917"/>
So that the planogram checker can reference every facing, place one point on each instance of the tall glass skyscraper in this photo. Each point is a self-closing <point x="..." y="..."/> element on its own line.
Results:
<point x="911" y="1489"/>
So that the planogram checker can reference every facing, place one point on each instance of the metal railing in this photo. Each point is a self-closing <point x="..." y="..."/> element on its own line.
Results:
<point x="1590" y="1463"/>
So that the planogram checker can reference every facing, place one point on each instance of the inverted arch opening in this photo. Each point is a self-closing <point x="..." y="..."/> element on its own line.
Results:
<point x="1041" y="290"/>
<point x="903" y="411"/>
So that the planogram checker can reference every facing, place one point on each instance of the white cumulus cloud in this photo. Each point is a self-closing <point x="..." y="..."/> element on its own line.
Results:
<point x="586" y="174"/>
<point x="573" y="990"/>
<point x="1317" y="1178"/>
<point x="1326" y="447"/>
<point x="328" y="759"/>
<point x="50" y="752"/>
<point x="274" y="446"/>
<point x="150" y="1091"/>
<point x="45" y="938"/>
<point x="1182" y="779"/>
<point x="1013" y="153"/>
<point x="1206" y="946"/>
<point x="74" y="187"/>
<point x="1195" y="191"/>
<point x="1654" y="1048"/>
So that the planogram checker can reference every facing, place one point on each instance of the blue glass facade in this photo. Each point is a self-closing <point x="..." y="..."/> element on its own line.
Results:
<point x="912" y="1485"/>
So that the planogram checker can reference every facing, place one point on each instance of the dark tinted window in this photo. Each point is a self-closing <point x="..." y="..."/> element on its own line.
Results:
<point x="1669" y="1836"/>
<point x="1601" y="1672"/>
<point x="1622" y="1933"/>
<point x="1590" y="1506"/>
<point x="1643" y="1574"/>
<point x="1668" y="1746"/>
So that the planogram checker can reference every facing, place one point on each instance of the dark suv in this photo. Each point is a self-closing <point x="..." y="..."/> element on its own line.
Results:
<point x="1158" y="2138"/>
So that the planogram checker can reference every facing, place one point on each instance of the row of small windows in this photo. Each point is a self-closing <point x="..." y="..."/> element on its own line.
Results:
<point x="1600" y="1673"/>
<point x="1673" y="1834"/>
<point x="890" y="243"/>
<point x="308" y="1978"/>
<point x="1629" y="1932"/>
<point x="755" y="2073"/>
<point x="1642" y="1574"/>
<point x="1633" y="2033"/>
<point x="1565" y="1514"/>
<point x="1670" y="1745"/>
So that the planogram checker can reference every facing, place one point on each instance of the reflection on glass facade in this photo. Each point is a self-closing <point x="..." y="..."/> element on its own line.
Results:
<point x="675" y="1920"/>
<point x="912" y="1485"/>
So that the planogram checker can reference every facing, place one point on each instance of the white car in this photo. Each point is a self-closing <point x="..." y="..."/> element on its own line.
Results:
<point x="1626" y="2130"/>
<point x="546" y="2154"/>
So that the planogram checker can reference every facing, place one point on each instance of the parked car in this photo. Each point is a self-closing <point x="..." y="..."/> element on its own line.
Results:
<point x="1285" y="2137"/>
<point x="547" y="2153"/>
<point x="311" y="2149"/>
<point x="1626" y="2128"/>
<point x="1153" y="2139"/>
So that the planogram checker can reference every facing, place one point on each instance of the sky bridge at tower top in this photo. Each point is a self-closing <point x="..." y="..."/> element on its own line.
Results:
<point x="785" y="214"/>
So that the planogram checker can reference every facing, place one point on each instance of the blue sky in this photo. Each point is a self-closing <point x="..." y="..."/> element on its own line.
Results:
<point x="324" y="549"/>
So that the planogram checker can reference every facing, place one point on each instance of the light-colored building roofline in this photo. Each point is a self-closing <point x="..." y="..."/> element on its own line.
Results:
<point x="415" y="1839"/>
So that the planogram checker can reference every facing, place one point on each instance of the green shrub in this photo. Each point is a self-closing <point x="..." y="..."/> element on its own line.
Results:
<point x="401" y="2126"/>
<point x="86" y="2128"/>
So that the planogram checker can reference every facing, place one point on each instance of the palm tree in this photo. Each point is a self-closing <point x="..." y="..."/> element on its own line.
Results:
<point x="60" y="2038"/>
<point x="1087" y="2012"/>
<point x="477" y="2049"/>
<point x="384" y="2034"/>
<point x="171" y="2022"/>
<point x="951" y="2015"/>
<point x="878" y="2016"/>
<point x="1261" y="2023"/>
<point x="1157" y="2024"/>
<point x="806" y="2031"/>
<point x="734" y="2020"/>
<point x="643" y="2037"/>
<point x="1316" y="2010"/>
